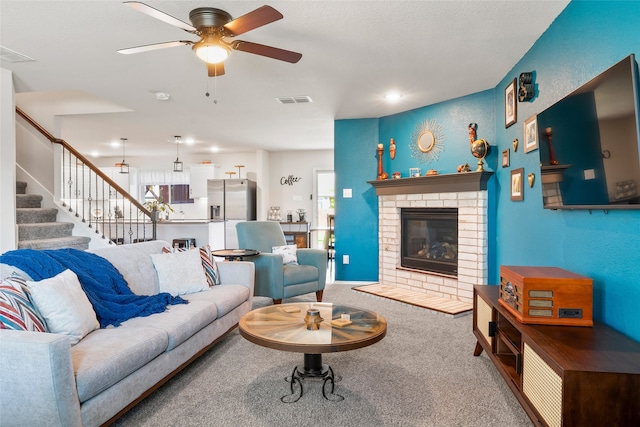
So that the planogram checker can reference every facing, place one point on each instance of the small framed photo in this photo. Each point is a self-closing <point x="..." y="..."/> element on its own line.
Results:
<point x="517" y="189"/>
<point x="505" y="158"/>
<point x="510" y="105"/>
<point x="530" y="134"/>
<point x="414" y="172"/>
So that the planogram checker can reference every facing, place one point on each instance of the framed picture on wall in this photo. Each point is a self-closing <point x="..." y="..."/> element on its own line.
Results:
<point x="530" y="134"/>
<point x="517" y="189"/>
<point x="510" y="105"/>
<point x="505" y="158"/>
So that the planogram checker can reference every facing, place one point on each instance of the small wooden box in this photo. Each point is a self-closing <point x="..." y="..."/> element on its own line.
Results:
<point x="546" y="295"/>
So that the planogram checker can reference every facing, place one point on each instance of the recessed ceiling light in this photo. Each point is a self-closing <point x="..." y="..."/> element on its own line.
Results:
<point x="115" y="144"/>
<point x="215" y="149"/>
<point x="162" y="96"/>
<point x="393" y="96"/>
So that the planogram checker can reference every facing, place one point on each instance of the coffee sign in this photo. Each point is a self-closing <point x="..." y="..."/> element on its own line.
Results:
<point x="289" y="180"/>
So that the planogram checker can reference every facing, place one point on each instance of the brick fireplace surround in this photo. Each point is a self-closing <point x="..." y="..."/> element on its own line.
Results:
<point x="465" y="191"/>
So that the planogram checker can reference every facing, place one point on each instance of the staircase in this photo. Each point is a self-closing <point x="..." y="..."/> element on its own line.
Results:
<point x="37" y="226"/>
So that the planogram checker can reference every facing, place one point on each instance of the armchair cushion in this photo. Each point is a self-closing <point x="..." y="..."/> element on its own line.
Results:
<point x="295" y="274"/>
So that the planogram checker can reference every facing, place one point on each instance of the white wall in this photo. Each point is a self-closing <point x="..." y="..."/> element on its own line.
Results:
<point x="8" y="234"/>
<point x="300" y="166"/>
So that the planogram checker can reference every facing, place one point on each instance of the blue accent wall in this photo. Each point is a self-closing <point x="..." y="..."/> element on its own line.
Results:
<point x="586" y="38"/>
<point x="356" y="220"/>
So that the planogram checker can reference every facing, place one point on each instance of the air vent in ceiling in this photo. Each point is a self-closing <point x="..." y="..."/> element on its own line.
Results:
<point x="13" y="56"/>
<point x="294" y="99"/>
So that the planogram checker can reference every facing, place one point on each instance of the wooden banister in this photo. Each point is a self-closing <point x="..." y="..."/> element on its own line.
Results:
<point x="84" y="160"/>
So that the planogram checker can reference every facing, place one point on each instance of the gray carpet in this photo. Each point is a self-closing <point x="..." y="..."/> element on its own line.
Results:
<point x="423" y="373"/>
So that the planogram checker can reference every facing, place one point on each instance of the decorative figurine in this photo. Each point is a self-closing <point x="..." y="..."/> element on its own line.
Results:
<point x="479" y="147"/>
<point x="392" y="149"/>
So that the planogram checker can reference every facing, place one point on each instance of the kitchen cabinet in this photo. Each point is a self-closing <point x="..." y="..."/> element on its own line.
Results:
<point x="199" y="174"/>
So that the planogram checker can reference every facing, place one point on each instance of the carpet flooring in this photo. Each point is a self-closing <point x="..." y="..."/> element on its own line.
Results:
<point x="423" y="373"/>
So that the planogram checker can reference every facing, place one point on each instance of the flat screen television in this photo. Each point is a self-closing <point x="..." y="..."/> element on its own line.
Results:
<point x="594" y="136"/>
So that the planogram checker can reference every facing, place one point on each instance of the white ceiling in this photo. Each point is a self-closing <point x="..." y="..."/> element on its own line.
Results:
<point x="353" y="53"/>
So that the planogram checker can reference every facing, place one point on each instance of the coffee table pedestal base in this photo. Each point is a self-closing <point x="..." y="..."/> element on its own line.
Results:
<point x="312" y="368"/>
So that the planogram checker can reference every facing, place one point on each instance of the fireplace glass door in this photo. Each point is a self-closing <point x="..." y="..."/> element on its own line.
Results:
<point x="429" y="240"/>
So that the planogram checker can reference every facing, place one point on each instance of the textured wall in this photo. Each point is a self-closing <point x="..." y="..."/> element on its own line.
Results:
<point x="586" y="39"/>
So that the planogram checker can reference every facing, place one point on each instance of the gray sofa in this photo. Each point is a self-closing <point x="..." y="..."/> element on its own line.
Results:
<point x="46" y="381"/>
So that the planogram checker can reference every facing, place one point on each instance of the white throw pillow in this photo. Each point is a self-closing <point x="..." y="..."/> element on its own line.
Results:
<point x="289" y="253"/>
<point x="64" y="305"/>
<point x="180" y="273"/>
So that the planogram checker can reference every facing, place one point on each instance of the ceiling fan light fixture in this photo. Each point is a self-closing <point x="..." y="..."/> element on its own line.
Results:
<point x="211" y="53"/>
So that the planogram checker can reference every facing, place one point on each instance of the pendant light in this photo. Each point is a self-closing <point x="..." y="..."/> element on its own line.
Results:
<point x="177" y="165"/>
<point x="124" y="167"/>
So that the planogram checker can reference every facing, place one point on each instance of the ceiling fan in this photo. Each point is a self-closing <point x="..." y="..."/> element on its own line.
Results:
<point x="214" y="27"/>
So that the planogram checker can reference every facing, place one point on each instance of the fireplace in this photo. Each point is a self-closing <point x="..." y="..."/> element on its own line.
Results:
<point x="465" y="192"/>
<point x="429" y="240"/>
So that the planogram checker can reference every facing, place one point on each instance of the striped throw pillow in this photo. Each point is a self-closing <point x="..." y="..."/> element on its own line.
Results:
<point x="209" y="264"/>
<point x="16" y="310"/>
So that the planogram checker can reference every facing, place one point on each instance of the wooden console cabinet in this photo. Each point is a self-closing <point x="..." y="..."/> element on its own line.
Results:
<point x="561" y="375"/>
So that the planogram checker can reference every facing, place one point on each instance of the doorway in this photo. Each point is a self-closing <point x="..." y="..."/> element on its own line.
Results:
<point x="323" y="208"/>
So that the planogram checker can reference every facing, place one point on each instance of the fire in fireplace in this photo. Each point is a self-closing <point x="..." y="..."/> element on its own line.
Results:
<point x="429" y="239"/>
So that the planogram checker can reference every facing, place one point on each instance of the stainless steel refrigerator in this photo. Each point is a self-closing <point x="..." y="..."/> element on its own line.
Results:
<point x="231" y="201"/>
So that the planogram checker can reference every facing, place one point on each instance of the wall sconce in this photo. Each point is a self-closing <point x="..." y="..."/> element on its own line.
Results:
<point x="124" y="167"/>
<point x="526" y="90"/>
<point x="177" y="165"/>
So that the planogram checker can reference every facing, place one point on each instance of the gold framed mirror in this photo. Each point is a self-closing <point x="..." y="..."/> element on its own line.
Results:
<point x="426" y="141"/>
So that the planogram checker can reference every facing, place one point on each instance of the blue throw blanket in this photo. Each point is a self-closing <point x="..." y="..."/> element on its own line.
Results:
<point x="105" y="287"/>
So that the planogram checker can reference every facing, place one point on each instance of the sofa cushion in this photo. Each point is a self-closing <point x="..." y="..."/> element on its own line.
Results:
<point x="108" y="355"/>
<point x="64" y="305"/>
<point x="209" y="264"/>
<point x="226" y="297"/>
<point x="296" y="274"/>
<point x="179" y="322"/>
<point x="180" y="273"/>
<point x="135" y="265"/>
<point x="16" y="310"/>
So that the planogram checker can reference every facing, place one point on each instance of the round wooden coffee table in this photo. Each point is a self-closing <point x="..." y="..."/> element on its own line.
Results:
<point x="283" y="327"/>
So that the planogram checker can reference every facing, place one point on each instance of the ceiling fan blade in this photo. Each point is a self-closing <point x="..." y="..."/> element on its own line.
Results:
<point x="215" y="69"/>
<point x="148" y="47"/>
<point x="155" y="13"/>
<point x="261" y="16"/>
<point x="268" y="51"/>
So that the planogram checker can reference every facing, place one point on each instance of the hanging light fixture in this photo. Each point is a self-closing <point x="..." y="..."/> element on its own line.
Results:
<point x="124" y="167"/>
<point x="177" y="165"/>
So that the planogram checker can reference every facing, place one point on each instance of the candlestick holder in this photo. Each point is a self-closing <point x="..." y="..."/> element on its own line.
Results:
<point x="552" y="154"/>
<point x="381" y="174"/>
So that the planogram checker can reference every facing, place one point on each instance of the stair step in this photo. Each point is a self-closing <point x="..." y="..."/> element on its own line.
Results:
<point x="35" y="215"/>
<point x="21" y="187"/>
<point x="44" y="230"/>
<point x="28" y="201"/>
<point x="76" y="242"/>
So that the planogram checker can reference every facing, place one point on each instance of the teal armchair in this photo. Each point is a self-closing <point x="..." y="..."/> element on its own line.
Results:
<point x="273" y="279"/>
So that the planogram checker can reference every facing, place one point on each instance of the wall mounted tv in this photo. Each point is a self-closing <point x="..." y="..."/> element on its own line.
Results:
<point x="594" y="135"/>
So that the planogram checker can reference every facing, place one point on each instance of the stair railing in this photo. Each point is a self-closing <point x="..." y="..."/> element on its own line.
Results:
<point x="96" y="199"/>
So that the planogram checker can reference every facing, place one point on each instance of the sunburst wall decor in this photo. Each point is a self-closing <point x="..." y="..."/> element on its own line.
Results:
<point x="427" y="141"/>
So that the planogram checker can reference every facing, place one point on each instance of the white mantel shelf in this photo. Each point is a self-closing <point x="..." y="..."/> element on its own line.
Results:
<point x="445" y="183"/>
